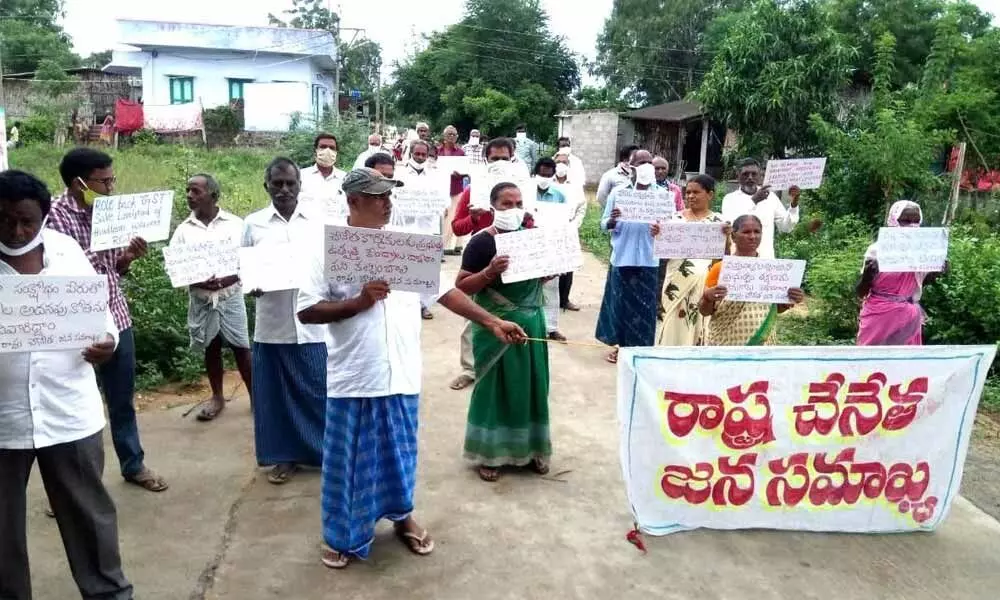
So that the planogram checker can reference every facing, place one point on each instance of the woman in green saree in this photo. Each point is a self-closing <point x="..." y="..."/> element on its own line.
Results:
<point x="508" y="422"/>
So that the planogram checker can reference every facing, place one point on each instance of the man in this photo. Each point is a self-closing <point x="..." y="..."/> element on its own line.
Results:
<point x="374" y="146"/>
<point x="88" y="174"/>
<point x="662" y="170"/>
<point x="548" y="196"/>
<point x="527" y="149"/>
<point x="576" y="165"/>
<point x="321" y="182"/>
<point x="373" y="390"/>
<point x="289" y="358"/>
<point x="417" y="167"/>
<point x="565" y="180"/>
<point x="449" y="147"/>
<point x="471" y="220"/>
<point x="617" y="175"/>
<point x="50" y="412"/>
<point x="217" y="314"/>
<point x="474" y="148"/>
<point x="383" y="163"/>
<point x="423" y="134"/>
<point x="757" y="200"/>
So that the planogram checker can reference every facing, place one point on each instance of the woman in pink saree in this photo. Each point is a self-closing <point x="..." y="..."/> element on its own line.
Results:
<point x="890" y="311"/>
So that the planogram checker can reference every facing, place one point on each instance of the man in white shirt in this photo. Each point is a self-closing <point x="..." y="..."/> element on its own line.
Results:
<point x="374" y="146"/>
<point x="427" y="224"/>
<point x="620" y="174"/>
<point x="575" y="164"/>
<point x="51" y="412"/>
<point x="217" y="314"/>
<point x="321" y="182"/>
<point x="423" y="134"/>
<point x="289" y="358"/>
<point x="373" y="390"/>
<point x="567" y="181"/>
<point x="753" y="199"/>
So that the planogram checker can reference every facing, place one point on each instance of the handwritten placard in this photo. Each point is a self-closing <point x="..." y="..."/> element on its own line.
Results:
<point x="912" y="249"/>
<point x="539" y="252"/>
<point x="421" y="197"/>
<point x="680" y="239"/>
<point x="648" y="206"/>
<point x="119" y="219"/>
<point x="408" y="262"/>
<point x="806" y="173"/>
<point x="270" y="267"/>
<point x="39" y="312"/>
<point x="760" y="279"/>
<point x="198" y="262"/>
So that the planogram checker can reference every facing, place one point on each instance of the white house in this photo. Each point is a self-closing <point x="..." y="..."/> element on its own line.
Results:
<point x="275" y="71"/>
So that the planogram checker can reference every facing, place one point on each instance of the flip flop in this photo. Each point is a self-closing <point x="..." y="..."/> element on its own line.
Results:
<point x="489" y="474"/>
<point x="333" y="559"/>
<point x="461" y="382"/>
<point x="417" y="544"/>
<point x="148" y="480"/>
<point x="210" y="411"/>
<point x="280" y="474"/>
<point x="539" y="466"/>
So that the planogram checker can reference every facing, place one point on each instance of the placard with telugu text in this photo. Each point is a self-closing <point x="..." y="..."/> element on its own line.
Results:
<point x="39" y="312"/>
<point x="539" y="252"/>
<point x="760" y="279"/>
<point x="408" y="262"/>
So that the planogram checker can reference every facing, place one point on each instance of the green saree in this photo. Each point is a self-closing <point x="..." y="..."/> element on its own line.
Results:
<point x="508" y="421"/>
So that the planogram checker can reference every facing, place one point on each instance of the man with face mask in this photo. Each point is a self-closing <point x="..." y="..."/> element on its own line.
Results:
<point x="321" y="182"/>
<point x="547" y="196"/>
<point x="474" y="149"/>
<point x="576" y="198"/>
<point x="88" y="174"/>
<point x="374" y="146"/>
<point x="617" y="175"/>
<point x="423" y="131"/>
<point x="527" y="149"/>
<point x="416" y="167"/>
<point x="575" y="164"/>
<point x="757" y="200"/>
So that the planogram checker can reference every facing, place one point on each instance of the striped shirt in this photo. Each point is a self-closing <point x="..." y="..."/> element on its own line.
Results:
<point x="67" y="217"/>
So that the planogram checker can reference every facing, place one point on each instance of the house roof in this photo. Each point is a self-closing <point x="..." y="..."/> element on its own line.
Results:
<point x="672" y="112"/>
<point x="31" y="74"/>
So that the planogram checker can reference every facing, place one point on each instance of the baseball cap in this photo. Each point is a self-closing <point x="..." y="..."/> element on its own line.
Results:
<point x="368" y="181"/>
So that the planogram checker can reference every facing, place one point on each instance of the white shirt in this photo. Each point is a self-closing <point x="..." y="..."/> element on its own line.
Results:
<point x="377" y="351"/>
<point x="611" y="179"/>
<point x="316" y="187"/>
<point x="276" y="321"/>
<point x="576" y="199"/>
<point x="771" y="212"/>
<point x="49" y="398"/>
<point x="359" y="162"/>
<point x="225" y="227"/>
<point x="425" y="224"/>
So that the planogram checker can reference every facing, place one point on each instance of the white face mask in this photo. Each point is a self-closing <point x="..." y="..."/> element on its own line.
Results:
<point x="34" y="243"/>
<point x="416" y="166"/>
<point x="566" y="150"/>
<point x="645" y="174"/>
<point x="508" y="220"/>
<point x="521" y="135"/>
<point x="562" y="170"/>
<point x="543" y="183"/>
<point x="375" y="148"/>
<point x="474" y="140"/>
<point x="499" y="168"/>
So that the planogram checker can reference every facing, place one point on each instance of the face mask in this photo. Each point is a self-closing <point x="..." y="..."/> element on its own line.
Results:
<point x="521" y="135"/>
<point x="416" y="166"/>
<point x="645" y="174"/>
<point x="543" y="182"/>
<point x="474" y="141"/>
<point x="499" y="168"/>
<point x="326" y="157"/>
<point x="566" y="150"/>
<point x="562" y="170"/>
<point x="89" y="195"/>
<point x="508" y="220"/>
<point x="375" y="148"/>
<point x="34" y="243"/>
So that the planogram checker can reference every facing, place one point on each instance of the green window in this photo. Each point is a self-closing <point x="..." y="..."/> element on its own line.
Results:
<point x="181" y="90"/>
<point x="236" y="88"/>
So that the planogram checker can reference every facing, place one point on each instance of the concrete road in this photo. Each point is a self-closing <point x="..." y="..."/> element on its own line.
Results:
<point x="222" y="531"/>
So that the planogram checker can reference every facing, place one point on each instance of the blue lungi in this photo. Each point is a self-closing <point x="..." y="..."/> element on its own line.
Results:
<point x="628" y="310"/>
<point x="289" y="403"/>
<point x="369" y="468"/>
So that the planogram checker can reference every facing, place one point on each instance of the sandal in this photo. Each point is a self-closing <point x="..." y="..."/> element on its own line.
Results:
<point x="281" y="473"/>
<point x="461" y="382"/>
<point x="148" y="480"/>
<point x="421" y="545"/>
<point x="489" y="474"/>
<point x="212" y="409"/>
<point x="539" y="465"/>
<point x="333" y="559"/>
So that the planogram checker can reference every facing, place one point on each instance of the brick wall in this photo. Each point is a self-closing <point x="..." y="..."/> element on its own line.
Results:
<point x="595" y="139"/>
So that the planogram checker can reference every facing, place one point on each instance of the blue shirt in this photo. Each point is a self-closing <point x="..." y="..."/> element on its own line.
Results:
<point x="551" y="195"/>
<point x="631" y="242"/>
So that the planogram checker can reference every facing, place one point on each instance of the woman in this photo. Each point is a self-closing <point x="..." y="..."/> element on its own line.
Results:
<point x="108" y="130"/>
<point x="683" y="323"/>
<point x="890" y="309"/>
<point x="741" y="323"/>
<point x="508" y="421"/>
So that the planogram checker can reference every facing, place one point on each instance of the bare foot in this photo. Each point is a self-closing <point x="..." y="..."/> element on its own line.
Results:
<point x="212" y="408"/>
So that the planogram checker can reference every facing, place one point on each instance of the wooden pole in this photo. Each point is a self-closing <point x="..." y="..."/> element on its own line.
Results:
<point x="956" y="180"/>
<point x="703" y="158"/>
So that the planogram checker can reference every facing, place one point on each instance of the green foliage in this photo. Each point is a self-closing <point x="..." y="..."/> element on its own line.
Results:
<point x="500" y="59"/>
<point x="223" y="124"/>
<point x="352" y="139"/>
<point x="592" y="238"/>
<point x="590" y="97"/>
<point x="38" y="129"/>
<point x="29" y="34"/>
<point x="145" y="137"/>
<point x="307" y="14"/>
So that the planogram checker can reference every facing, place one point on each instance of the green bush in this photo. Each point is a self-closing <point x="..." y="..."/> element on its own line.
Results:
<point x="352" y="139"/>
<point x="145" y="137"/>
<point x="37" y="129"/>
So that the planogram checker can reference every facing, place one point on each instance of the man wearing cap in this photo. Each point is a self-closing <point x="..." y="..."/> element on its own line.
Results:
<point x="373" y="389"/>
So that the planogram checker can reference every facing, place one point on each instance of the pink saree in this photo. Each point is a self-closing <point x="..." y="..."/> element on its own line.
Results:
<point x="891" y="314"/>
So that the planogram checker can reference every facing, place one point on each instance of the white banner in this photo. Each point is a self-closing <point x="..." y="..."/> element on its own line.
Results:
<point x="912" y="249"/>
<point x="118" y="219"/>
<point x="39" y="312"/>
<point x="198" y="262"/>
<point x="409" y="262"/>
<point x="837" y="438"/>
<point x="760" y="279"/>
<point x="482" y="184"/>
<point x="539" y="252"/>
<point x="806" y="173"/>
<point x="452" y="164"/>
<point x="681" y="239"/>
<point x="422" y="196"/>
<point x="649" y="205"/>
<point x="552" y="214"/>
<point x="271" y="267"/>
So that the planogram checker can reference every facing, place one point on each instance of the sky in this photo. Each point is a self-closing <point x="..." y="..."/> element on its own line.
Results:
<point x="395" y="24"/>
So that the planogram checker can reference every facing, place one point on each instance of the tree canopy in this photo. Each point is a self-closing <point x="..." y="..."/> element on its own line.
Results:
<point x="498" y="66"/>
<point x="29" y="34"/>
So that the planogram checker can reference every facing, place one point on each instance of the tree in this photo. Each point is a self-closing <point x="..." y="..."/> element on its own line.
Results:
<point x="29" y="34"/>
<point x="656" y="50"/>
<point x="777" y="64"/>
<point x="97" y="60"/>
<point x="307" y="14"/>
<point x="590" y="97"/>
<point x="498" y="66"/>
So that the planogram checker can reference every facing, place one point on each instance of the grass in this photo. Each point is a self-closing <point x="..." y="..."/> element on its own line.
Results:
<point x="592" y="239"/>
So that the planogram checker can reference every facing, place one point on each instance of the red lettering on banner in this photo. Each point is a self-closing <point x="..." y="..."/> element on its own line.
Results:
<point x="807" y="418"/>
<point x="677" y="482"/>
<point x="904" y="408"/>
<point x="727" y="491"/>
<point x="863" y="410"/>
<point x="735" y="487"/>
<point x="740" y="430"/>
<point x="862" y="394"/>
<point x="779" y="490"/>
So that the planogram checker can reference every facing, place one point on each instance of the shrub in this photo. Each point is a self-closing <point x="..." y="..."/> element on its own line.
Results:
<point x="352" y="139"/>
<point x="38" y="129"/>
<point x="145" y="137"/>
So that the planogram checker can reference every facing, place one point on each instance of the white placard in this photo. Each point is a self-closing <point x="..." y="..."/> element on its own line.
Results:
<point x="760" y="279"/>
<point x="119" y="219"/>
<point x="409" y="262"/>
<point x="452" y="164"/>
<point x="551" y="214"/>
<point x="912" y="249"/>
<point x="539" y="252"/>
<point x="821" y="438"/>
<point x="806" y="173"/>
<point x="483" y="183"/>
<point x="270" y="267"/>
<point x="39" y="312"/>
<point x="198" y="262"/>
<point x="421" y="197"/>
<point x="681" y="239"/>
<point x="647" y="206"/>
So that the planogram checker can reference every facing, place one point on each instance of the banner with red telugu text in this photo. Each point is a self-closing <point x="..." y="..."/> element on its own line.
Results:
<point x="852" y="439"/>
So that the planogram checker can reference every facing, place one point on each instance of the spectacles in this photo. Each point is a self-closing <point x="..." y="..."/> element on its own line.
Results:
<point x="105" y="181"/>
